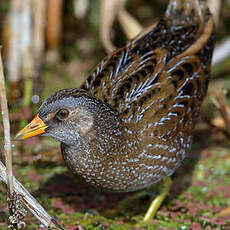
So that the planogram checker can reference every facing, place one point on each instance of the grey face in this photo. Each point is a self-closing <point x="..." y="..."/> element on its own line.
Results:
<point x="67" y="119"/>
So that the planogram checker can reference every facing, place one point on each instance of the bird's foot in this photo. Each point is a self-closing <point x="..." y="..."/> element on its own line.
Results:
<point x="164" y="188"/>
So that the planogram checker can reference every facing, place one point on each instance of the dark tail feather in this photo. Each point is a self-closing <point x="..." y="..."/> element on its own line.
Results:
<point x="181" y="12"/>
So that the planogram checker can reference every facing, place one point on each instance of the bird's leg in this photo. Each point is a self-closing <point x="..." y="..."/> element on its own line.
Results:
<point x="164" y="188"/>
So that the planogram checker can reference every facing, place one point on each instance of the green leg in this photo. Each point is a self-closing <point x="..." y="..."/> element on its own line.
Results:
<point x="164" y="188"/>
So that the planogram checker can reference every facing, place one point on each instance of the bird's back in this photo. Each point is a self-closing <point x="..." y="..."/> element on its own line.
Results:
<point x="169" y="62"/>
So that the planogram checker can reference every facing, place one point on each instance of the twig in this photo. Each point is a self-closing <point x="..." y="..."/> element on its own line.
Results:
<point x="6" y="125"/>
<point x="30" y="202"/>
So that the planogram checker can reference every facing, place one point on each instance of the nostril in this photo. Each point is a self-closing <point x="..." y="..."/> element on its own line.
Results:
<point x="34" y="126"/>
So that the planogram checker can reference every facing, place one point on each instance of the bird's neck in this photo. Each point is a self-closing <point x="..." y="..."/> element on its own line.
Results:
<point x="103" y="140"/>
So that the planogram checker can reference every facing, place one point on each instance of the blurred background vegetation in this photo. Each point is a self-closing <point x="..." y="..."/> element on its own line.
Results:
<point x="48" y="45"/>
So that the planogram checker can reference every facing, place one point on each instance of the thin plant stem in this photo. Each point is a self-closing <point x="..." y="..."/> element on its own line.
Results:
<point x="6" y="125"/>
<point x="6" y="174"/>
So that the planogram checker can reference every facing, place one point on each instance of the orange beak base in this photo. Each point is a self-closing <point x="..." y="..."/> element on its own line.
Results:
<point x="34" y="128"/>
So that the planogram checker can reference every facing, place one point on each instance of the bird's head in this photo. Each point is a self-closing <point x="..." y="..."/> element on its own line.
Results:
<point x="66" y="116"/>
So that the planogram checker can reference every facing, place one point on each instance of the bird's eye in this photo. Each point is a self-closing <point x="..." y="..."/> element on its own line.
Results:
<point x="62" y="114"/>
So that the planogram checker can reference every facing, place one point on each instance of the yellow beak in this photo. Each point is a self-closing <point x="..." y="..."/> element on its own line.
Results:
<point x="34" y="128"/>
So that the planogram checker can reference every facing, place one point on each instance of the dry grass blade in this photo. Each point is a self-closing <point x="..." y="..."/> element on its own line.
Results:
<point x="53" y="29"/>
<point x="109" y="11"/>
<point x="129" y="24"/>
<point x="6" y="125"/>
<point x="39" y="12"/>
<point x="214" y="6"/>
<point x="106" y="21"/>
<point x="219" y="99"/>
<point x="14" y="56"/>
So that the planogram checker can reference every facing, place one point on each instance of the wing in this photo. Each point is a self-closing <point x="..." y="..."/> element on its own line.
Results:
<point x="122" y="77"/>
<point x="158" y="78"/>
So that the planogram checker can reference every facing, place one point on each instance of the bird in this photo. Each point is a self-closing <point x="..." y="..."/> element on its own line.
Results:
<point x="130" y="123"/>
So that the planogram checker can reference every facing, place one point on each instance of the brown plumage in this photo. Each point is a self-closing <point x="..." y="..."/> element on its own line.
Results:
<point x="130" y="124"/>
<point x="156" y="83"/>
